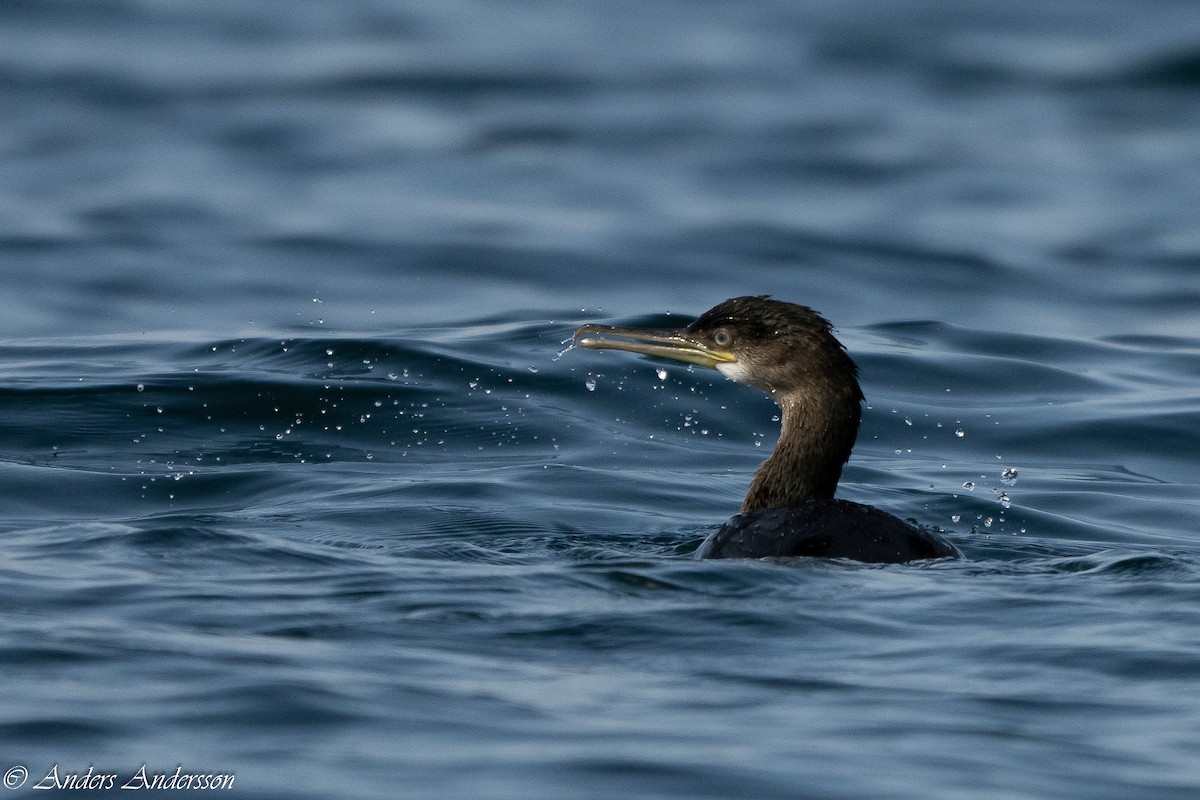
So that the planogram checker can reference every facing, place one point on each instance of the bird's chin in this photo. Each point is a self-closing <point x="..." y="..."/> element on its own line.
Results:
<point x="734" y="370"/>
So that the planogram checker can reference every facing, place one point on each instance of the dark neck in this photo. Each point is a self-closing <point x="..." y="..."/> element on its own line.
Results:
<point x="815" y="440"/>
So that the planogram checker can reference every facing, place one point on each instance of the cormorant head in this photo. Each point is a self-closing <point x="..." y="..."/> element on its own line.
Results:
<point x="782" y="348"/>
<point x="788" y="351"/>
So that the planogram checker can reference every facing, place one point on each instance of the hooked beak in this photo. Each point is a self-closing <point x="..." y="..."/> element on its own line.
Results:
<point x="676" y="345"/>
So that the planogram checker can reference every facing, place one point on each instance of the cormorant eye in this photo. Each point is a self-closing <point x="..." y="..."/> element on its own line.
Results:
<point x="722" y="337"/>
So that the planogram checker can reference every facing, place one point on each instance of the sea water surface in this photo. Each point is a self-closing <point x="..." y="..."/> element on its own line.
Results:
<point x="302" y="482"/>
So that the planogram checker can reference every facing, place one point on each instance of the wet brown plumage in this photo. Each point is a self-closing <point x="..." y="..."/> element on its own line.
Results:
<point x="788" y="351"/>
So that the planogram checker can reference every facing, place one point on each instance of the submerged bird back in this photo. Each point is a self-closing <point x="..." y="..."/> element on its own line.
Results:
<point x="825" y="529"/>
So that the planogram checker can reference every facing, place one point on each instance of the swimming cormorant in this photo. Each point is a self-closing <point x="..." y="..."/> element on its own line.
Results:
<point x="790" y="352"/>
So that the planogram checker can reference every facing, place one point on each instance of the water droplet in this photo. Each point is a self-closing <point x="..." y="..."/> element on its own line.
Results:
<point x="1004" y="500"/>
<point x="590" y="383"/>
<point x="662" y="374"/>
<point x="969" y="486"/>
<point x="141" y="387"/>
<point x="533" y="369"/>
<point x="956" y="517"/>
<point x="960" y="433"/>
<point x="1009" y="476"/>
<point x="908" y="421"/>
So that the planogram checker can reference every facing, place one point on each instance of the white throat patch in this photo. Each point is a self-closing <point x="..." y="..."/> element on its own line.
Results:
<point x="734" y="370"/>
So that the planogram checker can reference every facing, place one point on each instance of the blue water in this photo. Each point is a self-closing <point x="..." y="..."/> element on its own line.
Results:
<point x="301" y="484"/>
